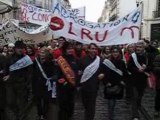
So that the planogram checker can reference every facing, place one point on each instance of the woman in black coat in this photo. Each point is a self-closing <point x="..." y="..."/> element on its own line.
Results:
<point x="114" y="80"/>
<point x="44" y="68"/>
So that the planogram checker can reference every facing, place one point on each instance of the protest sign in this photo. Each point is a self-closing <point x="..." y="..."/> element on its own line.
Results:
<point x="78" y="12"/>
<point x="33" y="14"/>
<point x="122" y="31"/>
<point x="11" y="32"/>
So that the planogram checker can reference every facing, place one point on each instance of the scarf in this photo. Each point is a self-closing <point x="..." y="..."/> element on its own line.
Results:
<point x="22" y="63"/>
<point x="67" y="70"/>
<point x="51" y="86"/>
<point x="134" y="56"/>
<point x="90" y="70"/>
<point x="111" y="66"/>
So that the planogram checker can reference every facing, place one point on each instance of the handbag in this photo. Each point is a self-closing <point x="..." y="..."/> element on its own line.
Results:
<point x="112" y="90"/>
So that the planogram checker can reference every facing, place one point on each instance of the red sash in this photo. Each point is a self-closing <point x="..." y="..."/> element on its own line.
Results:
<point x="67" y="70"/>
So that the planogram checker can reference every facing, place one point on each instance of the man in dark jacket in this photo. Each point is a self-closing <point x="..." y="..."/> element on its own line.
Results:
<point x="90" y="65"/>
<point x="137" y="65"/>
<point x="2" y="86"/>
<point x="17" y="81"/>
<point x="67" y="83"/>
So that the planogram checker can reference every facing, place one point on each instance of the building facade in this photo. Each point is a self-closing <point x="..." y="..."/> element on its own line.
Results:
<point x="151" y="20"/>
<point x="150" y="27"/>
<point x="105" y="13"/>
<point x="15" y="12"/>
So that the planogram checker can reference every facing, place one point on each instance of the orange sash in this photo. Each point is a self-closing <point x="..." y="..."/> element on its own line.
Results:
<point x="66" y="69"/>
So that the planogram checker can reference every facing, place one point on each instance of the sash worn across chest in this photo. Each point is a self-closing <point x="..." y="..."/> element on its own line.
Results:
<point x="22" y="63"/>
<point x="138" y="65"/>
<point x="90" y="70"/>
<point x="67" y="70"/>
<point x="51" y="86"/>
<point x="111" y="66"/>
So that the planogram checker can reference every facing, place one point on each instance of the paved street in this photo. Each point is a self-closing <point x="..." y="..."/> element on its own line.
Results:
<point x="122" y="111"/>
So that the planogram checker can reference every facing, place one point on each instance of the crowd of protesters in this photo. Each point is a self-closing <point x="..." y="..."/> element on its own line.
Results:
<point x="52" y="73"/>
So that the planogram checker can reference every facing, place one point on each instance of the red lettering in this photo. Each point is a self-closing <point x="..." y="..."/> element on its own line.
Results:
<point x="86" y="32"/>
<point x="130" y="29"/>
<point x="70" y="29"/>
<point x="104" y="37"/>
<point x="24" y="16"/>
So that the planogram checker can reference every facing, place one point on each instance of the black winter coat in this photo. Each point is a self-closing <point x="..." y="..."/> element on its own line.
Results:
<point x="156" y="70"/>
<point x="114" y="78"/>
<point x="139" y="79"/>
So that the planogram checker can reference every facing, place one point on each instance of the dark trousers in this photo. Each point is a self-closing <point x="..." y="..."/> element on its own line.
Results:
<point x="2" y="115"/>
<point x="157" y="100"/>
<point x="137" y="94"/>
<point x="66" y="103"/>
<point x="111" y="107"/>
<point x="128" y="88"/>
<point x="89" y="103"/>
<point x="16" y="97"/>
<point x="2" y="101"/>
<point x="42" y="106"/>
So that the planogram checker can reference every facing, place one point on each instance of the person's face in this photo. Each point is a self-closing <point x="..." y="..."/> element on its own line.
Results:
<point x="53" y="43"/>
<point x="154" y="44"/>
<point x="61" y="42"/>
<point x="42" y="54"/>
<point x="19" y="51"/>
<point x="10" y="50"/>
<point x="1" y="48"/>
<point x="93" y="50"/>
<point x="85" y="47"/>
<point x="29" y="50"/>
<point x="140" y="48"/>
<point x="5" y="49"/>
<point x="69" y="50"/>
<point x="131" y="48"/>
<point x="79" y="47"/>
<point x="107" y="50"/>
<point x="115" y="53"/>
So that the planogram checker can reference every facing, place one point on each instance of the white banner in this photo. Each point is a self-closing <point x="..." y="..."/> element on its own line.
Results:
<point x="7" y="2"/>
<point x="78" y="12"/>
<point x="122" y="31"/>
<point x="10" y="32"/>
<point x="33" y="14"/>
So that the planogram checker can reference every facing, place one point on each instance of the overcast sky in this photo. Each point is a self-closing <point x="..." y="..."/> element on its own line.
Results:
<point x="93" y="8"/>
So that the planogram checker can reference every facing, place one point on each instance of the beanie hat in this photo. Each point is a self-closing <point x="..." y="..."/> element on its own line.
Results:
<point x="19" y="44"/>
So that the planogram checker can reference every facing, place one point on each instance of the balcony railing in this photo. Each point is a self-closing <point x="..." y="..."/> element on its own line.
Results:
<point x="156" y="14"/>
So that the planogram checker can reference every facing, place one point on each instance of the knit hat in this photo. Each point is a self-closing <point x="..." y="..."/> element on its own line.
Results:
<point x="11" y="45"/>
<point x="19" y="44"/>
